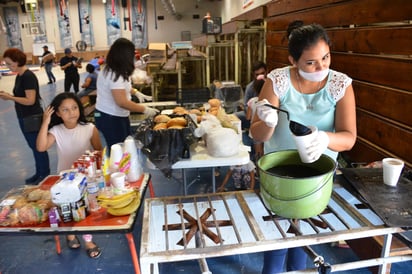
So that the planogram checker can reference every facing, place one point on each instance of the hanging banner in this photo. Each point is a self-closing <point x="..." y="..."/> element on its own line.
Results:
<point x="11" y="21"/>
<point x="85" y="20"/>
<point x="41" y="37"/>
<point x="112" y="21"/>
<point x="62" y="9"/>
<point x="139" y="30"/>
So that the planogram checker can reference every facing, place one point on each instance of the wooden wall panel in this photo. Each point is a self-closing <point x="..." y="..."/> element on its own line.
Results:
<point x="344" y="13"/>
<point x="392" y="72"/>
<point x="381" y="101"/>
<point x="388" y="136"/>
<point x="372" y="40"/>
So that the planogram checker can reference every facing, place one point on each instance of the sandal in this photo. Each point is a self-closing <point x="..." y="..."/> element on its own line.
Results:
<point x="73" y="243"/>
<point x="94" y="252"/>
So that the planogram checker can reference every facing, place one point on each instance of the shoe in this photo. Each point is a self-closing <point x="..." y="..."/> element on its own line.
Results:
<point x="50" y="82"/>
<point x="32" y="179"/>
<point x="37" y="180"/>
<point x="73" y="243"/>
<point x="94" y="252"/>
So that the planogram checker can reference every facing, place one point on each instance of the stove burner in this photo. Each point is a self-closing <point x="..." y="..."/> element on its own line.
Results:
<point x="193" y="226"/>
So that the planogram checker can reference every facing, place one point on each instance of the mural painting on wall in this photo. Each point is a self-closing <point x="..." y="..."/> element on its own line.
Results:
<point x="11" y="20"/>
<point x="85" y="22"/>
<point x="112" y="21"/>
<point x="139" y="30"/>
<point x="62" y="9"/>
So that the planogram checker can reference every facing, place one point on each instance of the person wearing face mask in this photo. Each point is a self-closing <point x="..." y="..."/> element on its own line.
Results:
<point x="313" y="94"/>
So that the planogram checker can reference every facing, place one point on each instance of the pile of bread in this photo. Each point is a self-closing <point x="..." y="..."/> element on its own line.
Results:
<point x="164" y="121"/>
<point x="25" y="206"/>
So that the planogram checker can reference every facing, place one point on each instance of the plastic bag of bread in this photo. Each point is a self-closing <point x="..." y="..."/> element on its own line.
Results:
<point x="25" y="206"/>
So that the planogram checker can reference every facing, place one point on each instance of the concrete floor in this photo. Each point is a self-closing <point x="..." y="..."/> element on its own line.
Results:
<point x="37" y="255"/>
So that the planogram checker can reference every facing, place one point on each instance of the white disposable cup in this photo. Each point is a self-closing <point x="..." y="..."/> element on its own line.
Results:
<point x="118" y="180"/>
<point x="302" y="142"/>
<point x="116" y="153"/>
<point x="392" y="169"/>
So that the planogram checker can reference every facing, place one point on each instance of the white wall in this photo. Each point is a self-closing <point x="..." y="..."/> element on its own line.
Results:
<point x="168" y="30"/>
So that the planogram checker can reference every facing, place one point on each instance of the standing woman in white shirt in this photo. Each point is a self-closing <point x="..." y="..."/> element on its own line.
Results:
<point x="113" y="103"/>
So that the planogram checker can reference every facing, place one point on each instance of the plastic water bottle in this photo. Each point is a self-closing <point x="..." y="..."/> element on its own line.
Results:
<point x="92" y="192"/>
<point x="100" y="179"/>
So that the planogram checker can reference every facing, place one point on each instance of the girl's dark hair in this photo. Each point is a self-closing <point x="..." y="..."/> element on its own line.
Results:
<point x="257" y="85"/>
<point x="302" y="37"/>
<point x="57" y="101"/>
<point x="120" y="59"/>
<point x="89" y="68"/>
<point x="16" y="55"/>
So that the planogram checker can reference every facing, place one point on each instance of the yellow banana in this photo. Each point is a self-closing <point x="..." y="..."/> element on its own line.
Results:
<point x="129" y="209"/>
<point x="118" y="203"/>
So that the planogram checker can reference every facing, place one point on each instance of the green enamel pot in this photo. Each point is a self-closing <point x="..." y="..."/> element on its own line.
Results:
<point x="293" y="189"/>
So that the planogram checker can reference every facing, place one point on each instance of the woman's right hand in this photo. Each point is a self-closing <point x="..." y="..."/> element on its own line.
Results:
<point x="266" y="114"/>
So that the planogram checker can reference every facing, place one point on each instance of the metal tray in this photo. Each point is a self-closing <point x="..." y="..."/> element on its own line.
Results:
<point x="392" y="204"/>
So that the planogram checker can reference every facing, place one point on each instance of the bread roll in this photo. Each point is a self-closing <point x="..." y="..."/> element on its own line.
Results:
<point x="180" y="110"/>
<point x="214" y="102"/>
<point x="161" y="118"/>
<point x="195" y="111"/>
<point x="160" y="126"/>
<point x="178" y="121"/>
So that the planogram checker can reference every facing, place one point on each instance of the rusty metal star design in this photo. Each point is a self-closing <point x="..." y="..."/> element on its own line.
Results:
<point x="193" y="226"/>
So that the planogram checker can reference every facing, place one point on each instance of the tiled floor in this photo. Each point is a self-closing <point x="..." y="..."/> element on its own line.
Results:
<point x="36" y="254"/>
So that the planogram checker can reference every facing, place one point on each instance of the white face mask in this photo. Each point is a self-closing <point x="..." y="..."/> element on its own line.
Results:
<point x="316" y="76"/>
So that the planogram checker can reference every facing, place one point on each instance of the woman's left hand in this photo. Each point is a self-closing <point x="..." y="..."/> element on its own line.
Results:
<point x="5" y="95"/>
<point x="318" y="145"/>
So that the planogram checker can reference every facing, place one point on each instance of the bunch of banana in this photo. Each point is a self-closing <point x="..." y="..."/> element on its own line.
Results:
<point x="122" y="204"/>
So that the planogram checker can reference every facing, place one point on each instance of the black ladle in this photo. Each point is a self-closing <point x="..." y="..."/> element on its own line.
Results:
<point x="297" y="128"/>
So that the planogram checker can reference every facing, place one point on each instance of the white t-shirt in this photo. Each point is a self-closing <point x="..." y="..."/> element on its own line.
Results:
<point x="71" y="143"/>
<point x="105" y="101"/>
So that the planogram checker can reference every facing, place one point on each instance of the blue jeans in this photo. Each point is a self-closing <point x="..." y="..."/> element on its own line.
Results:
<point x="114" y="128"/>
<point x="48" y="67"/>
<point x="273" y="261"/>
<point x="41" y="159"/>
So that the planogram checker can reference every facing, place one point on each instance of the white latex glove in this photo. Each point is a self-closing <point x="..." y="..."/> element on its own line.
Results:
<point x="142" y="97"/>
<point x="150" y="112"/>
<point x="267" y="114"/>
<point x="318" y="146"/>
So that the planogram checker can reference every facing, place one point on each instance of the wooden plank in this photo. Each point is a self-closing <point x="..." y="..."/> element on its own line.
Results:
<point x="341" y="13"/>
<point x="364" y="152"/>
<point x="378" y="40"/>
<point x="387" y="71"/>
<point x="255" y="14"/>
<point x="279" y="7"/>
<point x="382" y="133"/>
<point x="371" y="40"/>
<point x="381" y="100"/>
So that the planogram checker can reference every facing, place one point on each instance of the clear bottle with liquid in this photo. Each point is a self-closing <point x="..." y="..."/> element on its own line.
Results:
<point x="92" y="192"/>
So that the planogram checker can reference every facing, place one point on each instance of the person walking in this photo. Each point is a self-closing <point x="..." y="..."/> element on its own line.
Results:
<point x="27" y="103"/>
<point x="70" y="64"/>
<point x="313" y="94"/>
<point x="47" y="61"/>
